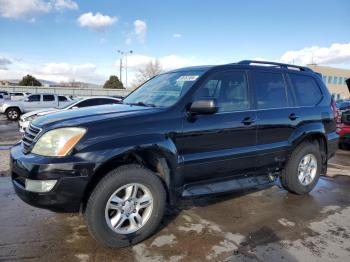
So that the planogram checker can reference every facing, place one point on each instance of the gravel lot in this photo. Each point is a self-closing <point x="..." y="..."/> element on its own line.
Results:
<point x="257" y="225"/>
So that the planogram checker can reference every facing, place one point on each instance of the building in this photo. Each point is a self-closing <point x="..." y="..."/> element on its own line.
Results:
<point x="334" y="78"/>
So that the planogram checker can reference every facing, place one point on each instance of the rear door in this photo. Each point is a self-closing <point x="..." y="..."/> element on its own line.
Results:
<point x="49" y="101"/>
<point x="277" y="118"/>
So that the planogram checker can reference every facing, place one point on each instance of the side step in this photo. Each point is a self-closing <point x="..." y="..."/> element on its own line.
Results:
<point x="226" y="186"/>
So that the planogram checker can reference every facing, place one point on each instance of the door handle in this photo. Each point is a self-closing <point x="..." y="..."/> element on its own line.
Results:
<point x="248" y="121"/>
<point x="293" y="116"/>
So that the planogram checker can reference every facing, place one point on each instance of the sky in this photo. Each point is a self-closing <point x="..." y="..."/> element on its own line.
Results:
<point x="66" y="40"/>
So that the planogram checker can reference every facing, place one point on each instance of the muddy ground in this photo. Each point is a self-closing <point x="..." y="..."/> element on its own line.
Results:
<point x="269" y="224"/>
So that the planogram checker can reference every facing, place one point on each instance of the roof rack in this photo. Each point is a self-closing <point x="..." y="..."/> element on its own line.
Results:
<point x="281" y="65"/>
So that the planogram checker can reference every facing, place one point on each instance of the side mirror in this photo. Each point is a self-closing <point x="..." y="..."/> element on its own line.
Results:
<point x="204" y="107"/>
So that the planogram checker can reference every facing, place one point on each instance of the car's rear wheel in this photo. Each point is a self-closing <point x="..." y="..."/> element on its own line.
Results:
<point x="126" y="206"/>
<point x="13" y="113"/>
<point x="303" y="169"/>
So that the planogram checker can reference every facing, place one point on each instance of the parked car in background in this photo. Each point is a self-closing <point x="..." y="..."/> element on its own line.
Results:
<point x="5" y="94"/>
<point x="15" y="96"/>
<point x="13" y="109"/>
<point x="185" y="133"/>
<point x="344" y="105"/>
<point x="2" y="100"/>
<point x="343" y="129"/>
<point x="25" y="119"/>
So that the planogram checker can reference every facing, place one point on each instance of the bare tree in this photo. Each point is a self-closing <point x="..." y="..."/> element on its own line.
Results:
<point x="152" y="69"/>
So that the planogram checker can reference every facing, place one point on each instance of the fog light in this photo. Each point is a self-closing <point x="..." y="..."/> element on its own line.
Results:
<point x="39" y="186"/>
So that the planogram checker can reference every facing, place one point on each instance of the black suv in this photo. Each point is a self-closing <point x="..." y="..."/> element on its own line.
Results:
<point x="189" y="132"/>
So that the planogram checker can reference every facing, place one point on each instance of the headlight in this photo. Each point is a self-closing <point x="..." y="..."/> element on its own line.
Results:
<point x="30" y="118"/>
<point x="58" y="142"/>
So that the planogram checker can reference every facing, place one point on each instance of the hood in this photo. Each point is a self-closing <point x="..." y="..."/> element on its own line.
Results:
<point x="39" y="112"/>
<point x="91" y="114"/>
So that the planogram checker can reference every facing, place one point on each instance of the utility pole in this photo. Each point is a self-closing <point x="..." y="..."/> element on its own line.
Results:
<point x="122" y="54"/>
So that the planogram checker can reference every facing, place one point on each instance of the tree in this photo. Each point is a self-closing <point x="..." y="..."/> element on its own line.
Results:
<point x="29" y="80"/>
<point x="113" y="83"/>
<point x="152" y="69"/>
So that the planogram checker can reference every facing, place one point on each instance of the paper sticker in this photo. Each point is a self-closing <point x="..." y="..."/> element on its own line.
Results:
<point x="187" y="78"/>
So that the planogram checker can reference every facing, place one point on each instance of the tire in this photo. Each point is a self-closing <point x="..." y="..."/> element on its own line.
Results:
<point x="290" y="176"/>
<point x="99" y="221"/>
<point x="13" y="113"/>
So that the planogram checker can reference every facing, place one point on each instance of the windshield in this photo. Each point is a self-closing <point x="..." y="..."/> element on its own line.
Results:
<point x="163" y="90"/>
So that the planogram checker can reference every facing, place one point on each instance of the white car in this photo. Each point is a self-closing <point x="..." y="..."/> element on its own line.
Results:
<point x="2" y="99"/>
<point x="13" y="109"/>
<point x="86" y="102"/>
<point x="16" y="96"/>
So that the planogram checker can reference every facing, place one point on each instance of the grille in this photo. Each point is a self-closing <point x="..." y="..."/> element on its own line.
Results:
<point x="29" y="138"/>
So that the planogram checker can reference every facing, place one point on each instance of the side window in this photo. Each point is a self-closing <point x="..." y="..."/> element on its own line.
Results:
<point x="306" y="90"/>
<point x="62" y="98"/>
<point x="270" y="90"/>
<point x="89" y="102"/>
<point x="34" y="98"/>
<point x="229" y="88"/>
<point x="48" y="98"/>
<point x="106" y="101"/>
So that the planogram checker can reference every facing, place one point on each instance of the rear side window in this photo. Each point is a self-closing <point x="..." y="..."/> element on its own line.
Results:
<point x="306" y="90"/>
<point x="106" y="101"/>
<point x="270" y="90"/>
<point x="48" y="98"/>
<point x="88" y="102"/>
<point x="62" y="98"/>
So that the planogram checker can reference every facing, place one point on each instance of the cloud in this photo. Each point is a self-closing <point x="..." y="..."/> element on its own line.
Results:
<point x="4" y="62"/>
<point x="97" y="22"/>
<point x="17" y="9"/>
<point x="137" y="61"/>
<point x="67" y="72"/>
<point x="140" y="28"/>
<point x="65" y="4"/>
<point x="177" y="35"/>
<point x="334" y="54"/>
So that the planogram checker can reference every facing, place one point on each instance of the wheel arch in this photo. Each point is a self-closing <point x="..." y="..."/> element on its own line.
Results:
<point x="314" y="134"/>
<point x="159" y="159"/>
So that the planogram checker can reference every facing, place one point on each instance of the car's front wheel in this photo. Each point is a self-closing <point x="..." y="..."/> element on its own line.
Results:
<point x="13" y="113"/>
<point x="126" y="206"/>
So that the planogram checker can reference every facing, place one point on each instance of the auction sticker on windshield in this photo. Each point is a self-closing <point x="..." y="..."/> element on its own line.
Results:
<point x="187" y="78"/>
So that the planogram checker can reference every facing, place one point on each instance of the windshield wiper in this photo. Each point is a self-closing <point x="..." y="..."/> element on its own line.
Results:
<point x="141" y="104"/>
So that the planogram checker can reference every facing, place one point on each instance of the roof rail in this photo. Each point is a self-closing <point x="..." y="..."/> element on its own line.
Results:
<point x="281" y="65"/>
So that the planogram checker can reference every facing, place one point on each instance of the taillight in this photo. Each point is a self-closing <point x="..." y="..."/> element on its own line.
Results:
<point x="336" y="113"/>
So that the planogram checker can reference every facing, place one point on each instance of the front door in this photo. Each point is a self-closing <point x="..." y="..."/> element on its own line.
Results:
<point x="222" y="144"/>
<point x="32" y="103"/>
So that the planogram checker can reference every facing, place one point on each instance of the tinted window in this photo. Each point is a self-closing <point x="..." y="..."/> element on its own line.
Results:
<point x="105" y="101"/>
<point x="89" y="102"/>
<point x="306" y="90"/>
<point x="62" y="98"/>
<point x="34" y="98"/>
<point x="230" y="90"/>
<point x="48" y="98"/>
<point x="270" y="90"/>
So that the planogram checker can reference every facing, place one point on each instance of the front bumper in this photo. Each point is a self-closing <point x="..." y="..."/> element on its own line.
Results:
<point x="71" y="174"/>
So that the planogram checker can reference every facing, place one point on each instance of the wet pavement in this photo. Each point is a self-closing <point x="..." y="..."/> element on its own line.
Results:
<point x="268" y="224"/>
